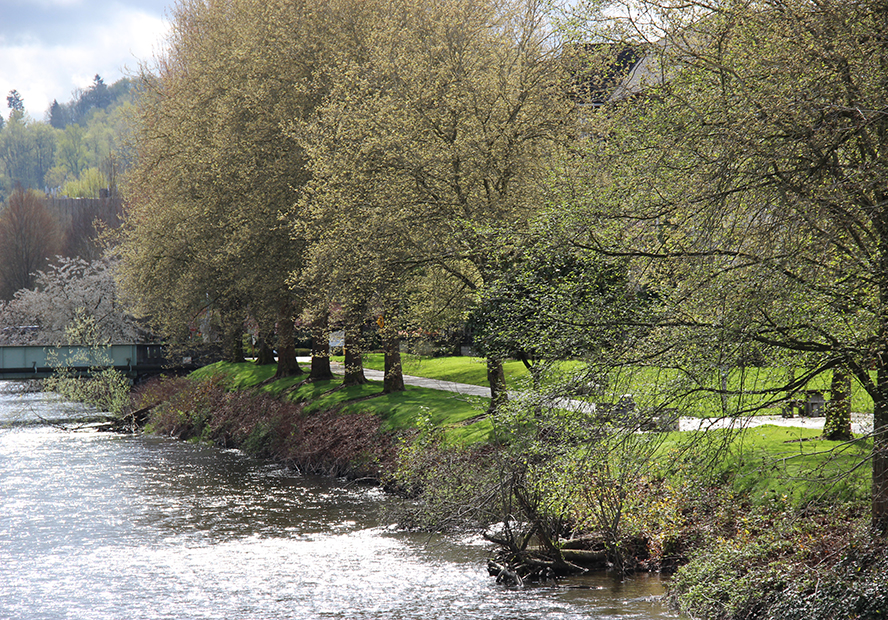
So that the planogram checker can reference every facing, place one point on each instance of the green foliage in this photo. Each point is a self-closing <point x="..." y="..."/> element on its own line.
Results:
<point x="551" y="301"/>
<point x="89" y="184"/>
<point x="856" y="588"/>
<point x="87" y="132"/>
<point x="748" y="196"/>
<point x="104" y="388"/>
<point x="221" y="176"/>
<point x="87" y="103"/>
<point x="27" y="152"/>
<point x="779" y="568"/>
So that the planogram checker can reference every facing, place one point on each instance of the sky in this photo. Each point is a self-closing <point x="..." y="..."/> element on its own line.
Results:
<point x="50" y="48"/>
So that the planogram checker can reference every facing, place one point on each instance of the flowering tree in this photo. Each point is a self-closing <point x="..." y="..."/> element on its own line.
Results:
<point x="67" y="291"/>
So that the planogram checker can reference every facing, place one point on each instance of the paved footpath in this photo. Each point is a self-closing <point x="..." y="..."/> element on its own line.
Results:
<point x="434" y="384"/>
<point x="861" y="423"/>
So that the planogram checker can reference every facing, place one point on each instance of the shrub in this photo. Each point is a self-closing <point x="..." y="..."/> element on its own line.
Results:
<point x="782" y="566"/>
<point x="324" y="442"/>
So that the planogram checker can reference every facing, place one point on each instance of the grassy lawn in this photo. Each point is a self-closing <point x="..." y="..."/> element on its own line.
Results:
<point x="774" y="461"/>
<point x="768" y="461"/>
<point x="470" y="370"/>
<point x="752" y="385"/>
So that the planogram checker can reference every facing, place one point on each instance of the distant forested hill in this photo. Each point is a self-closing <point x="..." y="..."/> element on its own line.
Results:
<point x="76" y="151"/>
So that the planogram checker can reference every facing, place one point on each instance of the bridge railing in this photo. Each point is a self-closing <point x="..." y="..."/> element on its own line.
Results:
<point x="44" y="359"/>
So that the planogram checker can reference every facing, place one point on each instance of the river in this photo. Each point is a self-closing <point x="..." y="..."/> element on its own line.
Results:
<point x="101" y="526"/>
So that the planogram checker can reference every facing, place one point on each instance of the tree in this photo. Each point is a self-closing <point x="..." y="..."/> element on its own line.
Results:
<point x="216" y="166"/>
<point x="553" y="302"/>
<point x="29" y="239"/>
<point x="364" y="284"/>
<point x="105" y="387"/>
<point x="86" y="103"/>
<point x="58" y="116"/>
<point x="27" y="152"/>
<point x="15" y="102"/>
<point x="66" y="293"/>
<point x="72" y="152"/>
<point x="746" y="180"/>
<point x="96" y="97"/>
<point x="433" y="134"/>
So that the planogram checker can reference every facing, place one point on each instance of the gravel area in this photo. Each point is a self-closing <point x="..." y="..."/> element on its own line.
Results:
<point x="861" y="423"/>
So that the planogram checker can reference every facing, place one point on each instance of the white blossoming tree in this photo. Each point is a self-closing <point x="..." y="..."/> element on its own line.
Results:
<point x="69" y="289"/>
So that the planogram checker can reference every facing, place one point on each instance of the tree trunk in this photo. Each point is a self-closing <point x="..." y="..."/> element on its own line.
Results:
<point x="496" y="376"/>
<point x="265" y="355"/>
<point x="287" y="366"/>
<point x="880" y="452"/>
<point x="232" y="337"/>
<point x="837" y="426"/>
<point x="320" y="352"/>
<point x="393" y="380"/>
<point x="354" y="358"/>
<point x="880" y="395"/>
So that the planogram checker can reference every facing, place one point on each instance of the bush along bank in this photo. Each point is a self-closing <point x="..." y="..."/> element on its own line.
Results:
<point x="324" y="443"/>
<point x="819" y="566"/>
<point x="738" y="551"/>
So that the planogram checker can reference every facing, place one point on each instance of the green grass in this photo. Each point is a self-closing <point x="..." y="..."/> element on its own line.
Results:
<point x="246" y="375"/>
<point x="771" y="462"/>
<point x="470" y="370"/>
<point x="402" y="410"/>
<point x="764" y="462"/>
<point x="648" y="384"/>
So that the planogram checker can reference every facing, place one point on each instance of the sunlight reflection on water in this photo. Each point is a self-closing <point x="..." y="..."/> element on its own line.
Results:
<point x="98" y="526"/>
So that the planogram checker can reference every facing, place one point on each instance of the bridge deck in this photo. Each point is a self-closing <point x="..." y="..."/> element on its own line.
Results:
<point x="31" y="362"/>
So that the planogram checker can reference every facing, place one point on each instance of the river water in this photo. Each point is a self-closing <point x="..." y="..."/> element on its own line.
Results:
<point x="101" y="526"/>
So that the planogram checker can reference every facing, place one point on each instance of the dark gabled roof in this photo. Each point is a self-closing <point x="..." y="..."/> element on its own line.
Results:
<point x="598" y="70"/>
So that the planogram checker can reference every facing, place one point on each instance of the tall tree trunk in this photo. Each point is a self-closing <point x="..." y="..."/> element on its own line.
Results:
<point x="393" y="380"/>
<point x="320" y="352"/>
<point x="880" y="450"/>
<point x="264" y="354"/>
<point x="232" y="336"/>
<point x="880" y="397"/>
<point x="880" y="394"/>
<point x="354" y="357"/>
<point x="496" y="376"/>
<point x="287" y="366"/>
<point x="837" y="426"/>
<point x="262" y="348"/>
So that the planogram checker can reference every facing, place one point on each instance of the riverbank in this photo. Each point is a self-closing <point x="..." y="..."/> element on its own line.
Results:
<point x="101" y="526"/>
<point x="752" y="537"/>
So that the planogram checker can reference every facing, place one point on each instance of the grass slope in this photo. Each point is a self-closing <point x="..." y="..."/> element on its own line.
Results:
<point x="453" y="412"/>
<point x="763" y="462"/>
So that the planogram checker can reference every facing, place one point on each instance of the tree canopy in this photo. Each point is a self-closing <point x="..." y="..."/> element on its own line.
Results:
<point x="745" y="180"/>
<point x="216" y="167"/>
<point x="710" y="178"/>
<point x="84" y="137"/>
<point x="434" y="137"/>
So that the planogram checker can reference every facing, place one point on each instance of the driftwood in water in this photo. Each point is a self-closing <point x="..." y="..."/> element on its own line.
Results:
<point x="130" y="422"/>
<point x="532" y="564"/>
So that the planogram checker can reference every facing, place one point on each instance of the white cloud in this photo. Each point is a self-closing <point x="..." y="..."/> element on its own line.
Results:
<point x="46" y="68"/>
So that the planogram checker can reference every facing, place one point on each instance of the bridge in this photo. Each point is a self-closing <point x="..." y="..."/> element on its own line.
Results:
<point x="37" y="362"/>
